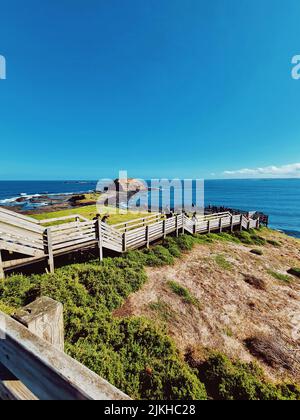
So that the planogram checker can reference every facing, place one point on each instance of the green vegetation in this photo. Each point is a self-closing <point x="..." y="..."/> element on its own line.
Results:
<point x="223" y="263"/>
<point x="135" y="354"/>
<point x="257" y="252"/>
<point x="123" y="351"/>
<point x="281" y="277"/>
<point x="184" y="293"/>
<point x="227" y="380"/>
<point x="163" y="310"/>
<point x="294" y="271"/>
<point x="274" y="243"/>
<point x="116" y="215"/>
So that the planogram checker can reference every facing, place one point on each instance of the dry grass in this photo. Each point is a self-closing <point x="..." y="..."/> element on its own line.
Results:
<point x="236" y="304"/>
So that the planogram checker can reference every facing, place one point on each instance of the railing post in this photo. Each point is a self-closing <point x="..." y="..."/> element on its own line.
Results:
<point x="208" y="227"/>
<point x="231" y="224"/>
<point x="241" y="227"/>
<point x="258" y="223"/>
<point x="49" y="249"/>
<point x="183" y="223"/>
<point x="98" y="227"/>
<point x="164" y="229"/>
<point x="220" y="224"/>
<point x="177" y="225"/>
<point x="147" y="237"/>
<point x="124" y="242"/>
<point x="44" y="318"/>
<point x="2" y="275"/>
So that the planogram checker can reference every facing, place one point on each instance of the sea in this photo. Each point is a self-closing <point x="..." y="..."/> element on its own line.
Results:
<point x="278" y="198"/>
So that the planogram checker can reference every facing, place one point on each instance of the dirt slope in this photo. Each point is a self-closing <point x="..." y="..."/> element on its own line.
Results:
<point x="237" y="302"/>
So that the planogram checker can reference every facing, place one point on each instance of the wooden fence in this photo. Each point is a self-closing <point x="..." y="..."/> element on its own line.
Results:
<point x="33" y="365"/>
<point x="28" y="239"/>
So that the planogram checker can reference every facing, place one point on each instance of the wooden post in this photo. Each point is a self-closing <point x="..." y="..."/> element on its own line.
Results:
<point x="44" y="318"/>
<point x="99" y="238"/>
<point x="231" y="224"/>
<point x="164" y="229"/>
<point x="147" y="237"/>
<point x="49" y="249"/>
<point x="2" y="275"/>
<point x="183" y="223"/>
<point x="220" y="225"/>
<point x="258" y="223"/>
<point x="195" y="228"/>
<point x="208" y="227"/>
<point x="124" y="242"/>
<point x="177" y="226"/>
<point x="241" y="227"/>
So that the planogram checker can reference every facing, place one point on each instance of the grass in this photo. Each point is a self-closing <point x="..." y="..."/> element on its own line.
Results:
<point x="223" y="263"/>
<point x="281" y="277"/>
<point x="116" y="215"/>
<point x="184" y="293"/>
<point x="163" y="309"/>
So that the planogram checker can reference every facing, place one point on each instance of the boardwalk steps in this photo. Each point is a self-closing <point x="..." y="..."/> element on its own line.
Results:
<point x="27" y="240"/>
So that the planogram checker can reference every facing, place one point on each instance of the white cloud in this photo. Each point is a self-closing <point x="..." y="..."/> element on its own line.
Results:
<point x="286" y="171"/>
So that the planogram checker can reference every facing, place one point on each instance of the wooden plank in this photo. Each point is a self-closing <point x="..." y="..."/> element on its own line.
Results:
<point x="49" y="249"/>
<point x="11" y="389"/>
<point x="20" y="249"/>
<point x="31" y="227"/>
<point x="21" y="241"/>
<point x="100" y="239"/>
<point x="47" y="372"/>
<point x="17" y="215"/>
<point x="2" y="275"/>
<point x="19" y="262"/>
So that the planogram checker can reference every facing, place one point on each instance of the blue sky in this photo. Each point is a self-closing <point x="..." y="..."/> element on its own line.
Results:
<point x="166" y="88"/>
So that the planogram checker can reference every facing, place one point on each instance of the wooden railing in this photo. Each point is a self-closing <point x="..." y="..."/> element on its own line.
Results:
<point x="33" y="365"/>
<point x="27" y="237"/>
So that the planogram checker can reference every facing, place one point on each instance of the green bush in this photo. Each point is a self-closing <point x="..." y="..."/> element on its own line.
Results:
<point x="171" y="245"/>
<point x="257" y="252"/>
<point x="227" y="380"/>
<point x="132" y="353"/>
<point x="185" y="242"/>
<point x="223" y="263"/>
<point x="184" y="293"/>
<point x="274" y="243"/>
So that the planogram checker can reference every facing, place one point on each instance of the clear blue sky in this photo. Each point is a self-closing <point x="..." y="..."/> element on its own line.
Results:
<point x="162" y="88"/>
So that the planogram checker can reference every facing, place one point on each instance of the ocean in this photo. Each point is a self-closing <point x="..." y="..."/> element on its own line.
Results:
<point x="278" y="198"/>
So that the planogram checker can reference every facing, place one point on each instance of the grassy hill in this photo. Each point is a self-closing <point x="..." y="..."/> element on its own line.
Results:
<point x="192" y="318"/>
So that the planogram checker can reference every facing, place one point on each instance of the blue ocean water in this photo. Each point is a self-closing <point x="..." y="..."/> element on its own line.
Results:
<point x="279" y="198"/>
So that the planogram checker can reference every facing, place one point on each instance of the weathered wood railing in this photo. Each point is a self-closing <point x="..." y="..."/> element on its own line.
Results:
<point x="34" y="242"/>
<point x="33" y="365"/>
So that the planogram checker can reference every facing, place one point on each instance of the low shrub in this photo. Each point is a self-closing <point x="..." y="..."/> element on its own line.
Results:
<point x="185" y="242"/>
<point x="223" y="263"/>
<point x="172" y="247"/>
<point x="274" y="243"/>
<point x="234" y="380"/>
<point x="123" y="351"/>
<point x="184" y="293"/>
<point x="257" y="252"/>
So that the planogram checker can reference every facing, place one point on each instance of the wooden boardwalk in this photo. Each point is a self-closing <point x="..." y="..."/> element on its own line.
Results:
<point x="24" y="240"/>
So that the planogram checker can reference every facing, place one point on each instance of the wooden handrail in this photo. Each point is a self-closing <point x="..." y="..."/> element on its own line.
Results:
<point x="35" y="369"/>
